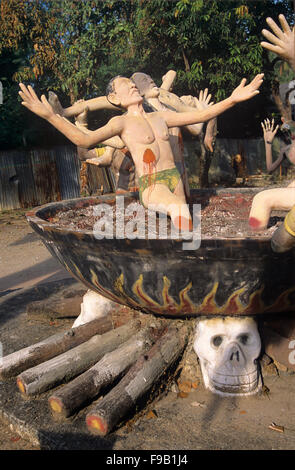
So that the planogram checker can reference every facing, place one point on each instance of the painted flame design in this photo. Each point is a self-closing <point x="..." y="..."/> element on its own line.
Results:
<point x="106" y="293"/>
<point x="233" y="305"/>
<point x="185" y="306"/>
<point x="169" y="304"/>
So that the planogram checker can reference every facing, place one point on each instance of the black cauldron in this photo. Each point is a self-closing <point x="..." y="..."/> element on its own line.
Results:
<point x="224" y="276"/>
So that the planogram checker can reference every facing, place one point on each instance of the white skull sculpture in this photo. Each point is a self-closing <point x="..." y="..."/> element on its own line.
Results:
<point x="93" y="306"/>
<point x="227" y="349"/>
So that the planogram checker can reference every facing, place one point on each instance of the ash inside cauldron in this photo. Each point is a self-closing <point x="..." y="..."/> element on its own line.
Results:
<point x="222" y="215"/>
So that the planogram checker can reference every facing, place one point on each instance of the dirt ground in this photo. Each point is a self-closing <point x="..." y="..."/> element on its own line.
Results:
<point x="24" y="262"/>
<point x="206" y="421"/>
<point x="23" y="258"/>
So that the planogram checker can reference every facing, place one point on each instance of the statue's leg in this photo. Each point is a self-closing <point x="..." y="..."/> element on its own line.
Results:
<point x="173" y="204"/>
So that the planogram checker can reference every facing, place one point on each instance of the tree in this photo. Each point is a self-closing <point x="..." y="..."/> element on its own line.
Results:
<point x="64" y="46"/>
<point x="75" y="47"/>
<point x="218" y="43"/>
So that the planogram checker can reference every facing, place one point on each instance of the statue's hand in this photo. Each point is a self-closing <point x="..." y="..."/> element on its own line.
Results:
<point x="31" y="101"/>
<point x="282" y="42"/>
<point x="245" y="92"/>
<point x="269" y="131"/>
<point x="203" y="101"/>
<point x="170" y="74"/>
<point x="200" y="103"/>
<point x="168" y="79"/>
<point x="94" y="161"/>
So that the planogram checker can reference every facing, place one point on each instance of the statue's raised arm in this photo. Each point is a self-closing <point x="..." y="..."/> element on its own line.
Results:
<point x="242" y="93"/>
<point x="281" y="41"/>
<point x="82" y="139"/>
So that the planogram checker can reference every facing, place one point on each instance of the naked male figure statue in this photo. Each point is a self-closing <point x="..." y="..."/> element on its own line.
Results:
<point x="150" y="92"/>
<point x="120" y="160"/>
<point x="147" y="138"/>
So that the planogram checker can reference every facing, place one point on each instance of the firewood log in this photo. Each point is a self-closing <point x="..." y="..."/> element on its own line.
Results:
<point x="64" y="367"/>
<point x="107" y="413"/>
<point x="80" y="391"/>
<point x="17" y="362"/>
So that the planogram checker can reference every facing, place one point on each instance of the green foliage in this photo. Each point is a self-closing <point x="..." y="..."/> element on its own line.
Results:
<point x="75" y="47"/>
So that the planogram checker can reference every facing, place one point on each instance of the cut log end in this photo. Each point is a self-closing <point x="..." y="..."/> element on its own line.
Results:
<point x="97" y="425"/>
<point x="21" y="386"/>
<point x="56" y="405"/>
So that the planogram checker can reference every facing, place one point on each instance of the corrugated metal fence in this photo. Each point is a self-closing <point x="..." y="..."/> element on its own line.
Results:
<point x="35" y="177"/>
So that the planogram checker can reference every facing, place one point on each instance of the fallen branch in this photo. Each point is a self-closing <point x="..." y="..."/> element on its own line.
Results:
<point x="148" y="369"/>
<point x="17" y="362"/>
<point x="88" y="385"/>
<point x="64" y="367"/>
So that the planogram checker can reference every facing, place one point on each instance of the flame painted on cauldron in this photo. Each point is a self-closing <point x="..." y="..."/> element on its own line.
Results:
<point x="232" y="306"/>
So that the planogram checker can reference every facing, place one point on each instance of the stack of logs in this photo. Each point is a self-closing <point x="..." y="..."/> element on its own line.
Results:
<point x="89" y="359"/>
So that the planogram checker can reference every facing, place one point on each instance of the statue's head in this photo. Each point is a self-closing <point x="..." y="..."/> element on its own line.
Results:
<point x="145" y="85"/>
<point x="122" y="92"/>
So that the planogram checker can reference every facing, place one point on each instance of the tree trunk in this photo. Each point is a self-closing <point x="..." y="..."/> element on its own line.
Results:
<point x="186" y="62"/>
<point x="204" y="164"/>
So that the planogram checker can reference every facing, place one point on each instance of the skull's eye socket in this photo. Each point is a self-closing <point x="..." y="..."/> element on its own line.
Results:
<point x="244" y="339"/>
<point x="217" y="340"/>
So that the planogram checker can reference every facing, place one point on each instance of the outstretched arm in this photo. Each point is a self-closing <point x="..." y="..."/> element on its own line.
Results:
<point x="269" y="132"/>
<point x="201" y="103"/>
<point x="81" y="121"/>
<point x="94" y="104"/>
<point x="241" y="93"/>
<point x="282" y="42"/>
<point x="168" y="79"/>
<point x="43" y="109"/>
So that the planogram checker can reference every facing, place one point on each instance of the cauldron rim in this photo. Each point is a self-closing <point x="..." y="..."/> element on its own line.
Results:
<point x="34" y="216"/>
